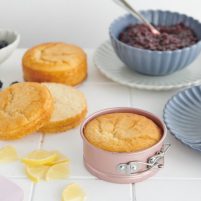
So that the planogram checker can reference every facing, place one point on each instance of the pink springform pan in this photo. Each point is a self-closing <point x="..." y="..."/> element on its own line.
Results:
<point x="124" y="167"/>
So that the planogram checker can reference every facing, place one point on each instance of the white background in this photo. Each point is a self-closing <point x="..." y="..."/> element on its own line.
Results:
<point x="83" y="22"/>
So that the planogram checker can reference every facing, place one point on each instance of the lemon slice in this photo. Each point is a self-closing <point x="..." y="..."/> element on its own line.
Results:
<point x="58" y="171"/>
<point x="36" y="173"/>
<point x="73" y="192"/>
<point x="39" y="157"/>
<point x="60" y="158"/>
<point x="8" y="154"/>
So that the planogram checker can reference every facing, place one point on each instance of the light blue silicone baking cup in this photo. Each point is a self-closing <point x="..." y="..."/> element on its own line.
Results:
<point x="155" y="63"/>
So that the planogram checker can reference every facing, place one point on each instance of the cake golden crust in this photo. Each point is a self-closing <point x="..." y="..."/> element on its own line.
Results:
<point x="70" y="108"/>
<point x="24" y="108"/>
<point x="55" y="62"/>
<point x="122" y="132"/>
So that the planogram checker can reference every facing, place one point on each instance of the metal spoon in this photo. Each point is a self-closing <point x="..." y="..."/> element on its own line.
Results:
<point x="125" y="4"/>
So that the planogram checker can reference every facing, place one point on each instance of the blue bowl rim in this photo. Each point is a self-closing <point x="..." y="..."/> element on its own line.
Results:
<point x="168" y="102"/>
<point x="153" y="51"/>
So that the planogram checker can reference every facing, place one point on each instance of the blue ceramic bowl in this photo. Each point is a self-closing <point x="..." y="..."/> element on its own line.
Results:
<point x="150" y="62"/>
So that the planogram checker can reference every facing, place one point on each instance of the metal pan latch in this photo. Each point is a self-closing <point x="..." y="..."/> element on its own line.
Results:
<point x="134" y="167"/>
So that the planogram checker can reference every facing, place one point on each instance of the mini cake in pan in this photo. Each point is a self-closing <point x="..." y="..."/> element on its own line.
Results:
<point x="123" y="145"/>
<point x="122" y="132"/>
<point x="55" y="62"/>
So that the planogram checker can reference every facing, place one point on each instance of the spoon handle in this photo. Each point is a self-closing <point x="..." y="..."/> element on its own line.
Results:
<point x="138" y="15"/>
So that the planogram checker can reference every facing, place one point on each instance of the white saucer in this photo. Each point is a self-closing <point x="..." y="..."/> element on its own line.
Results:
<point x="109" y="64"/>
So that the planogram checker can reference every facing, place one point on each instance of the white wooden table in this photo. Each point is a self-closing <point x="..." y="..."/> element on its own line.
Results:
<point x="180" y="180"/>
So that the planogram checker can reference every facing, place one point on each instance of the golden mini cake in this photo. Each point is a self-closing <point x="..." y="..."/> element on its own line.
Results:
<point x="70" y="108"/>
<point x="55" y="62"/>
<point x="24" y="108"/>
<point x="122" y="132"/>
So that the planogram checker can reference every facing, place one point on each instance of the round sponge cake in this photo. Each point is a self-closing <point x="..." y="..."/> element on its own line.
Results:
<point x="122" y="132"/>
<point x="24" y="108"/>
<point x="70" y="108"/>
<point x="55" y="62"/>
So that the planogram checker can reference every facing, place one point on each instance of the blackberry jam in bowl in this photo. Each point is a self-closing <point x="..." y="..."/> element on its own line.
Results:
<point x="178" y="44"/>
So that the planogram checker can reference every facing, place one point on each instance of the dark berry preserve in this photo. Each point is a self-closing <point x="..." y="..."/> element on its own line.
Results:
<point x="3" y="44"/>
<point x="172" y="37"/>
<point x="1" y="84"/>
